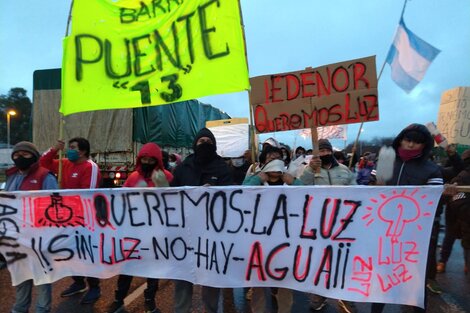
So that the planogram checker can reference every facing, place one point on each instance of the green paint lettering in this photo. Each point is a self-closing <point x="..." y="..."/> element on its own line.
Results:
<point x="80" y="41"/>
<point x="189" y="33"/>
<point x="205" y="30"/>
<point x="138" y="54"/>
<point x="160" y="44"/>
<point x="127" y="15"/>
<point x="176" y="89"/>
<point x="108" y="60"/>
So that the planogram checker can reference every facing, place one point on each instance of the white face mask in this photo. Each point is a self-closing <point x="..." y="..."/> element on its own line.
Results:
<point x="238" y="162"/>
<point x="172" y="164"/>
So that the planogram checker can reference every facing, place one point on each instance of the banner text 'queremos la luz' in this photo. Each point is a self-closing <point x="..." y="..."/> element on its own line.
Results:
<point x="353" y="243"/>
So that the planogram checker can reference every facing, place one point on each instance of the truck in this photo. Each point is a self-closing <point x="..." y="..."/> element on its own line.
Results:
<point x="115" y="136"/>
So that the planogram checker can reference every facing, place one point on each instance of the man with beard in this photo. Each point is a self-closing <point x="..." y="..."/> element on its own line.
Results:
<point x="202" y="168"/>
<point x="325" y="170"/>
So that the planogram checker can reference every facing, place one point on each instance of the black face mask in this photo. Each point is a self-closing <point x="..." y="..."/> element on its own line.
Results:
<point x="23" y="163"/>
<point x="147" y="168"/>
<point x="326" y="159"/>
<point x="205" y="152"/>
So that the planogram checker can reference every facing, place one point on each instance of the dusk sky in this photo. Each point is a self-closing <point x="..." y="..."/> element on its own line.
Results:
<point x="283" y="36"/>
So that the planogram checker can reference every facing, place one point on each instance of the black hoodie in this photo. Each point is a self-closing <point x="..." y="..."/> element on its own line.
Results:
<point x="191" y="173"/>
<point x="417" y="171"/>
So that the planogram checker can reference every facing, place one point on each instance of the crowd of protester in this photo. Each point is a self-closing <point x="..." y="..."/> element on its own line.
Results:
<point x="275" y="164"/>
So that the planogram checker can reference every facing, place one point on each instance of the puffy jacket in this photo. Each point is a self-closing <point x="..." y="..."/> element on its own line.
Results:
<point x="337" y="175"/>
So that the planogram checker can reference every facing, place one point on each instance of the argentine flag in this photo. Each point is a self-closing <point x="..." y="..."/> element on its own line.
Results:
<point x="409" y="58"/>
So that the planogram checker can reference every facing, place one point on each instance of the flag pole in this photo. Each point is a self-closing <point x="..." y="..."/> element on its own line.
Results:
<point x="61" y="117"/>
<point x="253" y="140"/>
<point x="354" y="147"/>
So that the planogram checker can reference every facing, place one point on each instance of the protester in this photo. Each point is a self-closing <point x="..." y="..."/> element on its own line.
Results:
<point x="238" y="167"/>
<point x="299" y="152"/>
<point x="453" y="166"/>
<point x="174" y="161"/>
<point x="272" y="174"/>
<point x="202" y="168"/>
<point x="166" y="160"/>
<point x="325" y="170"/>
<point x="285" y="155"/>
<point x="340" y="157"/>
<point x="78" y="172"/>
<point x="451" y="169"/>
<point x="460" y="206"/>
<point x="364" y="171"/>
<point x="149" y="172"/>
<point x="27" y="174"/>
<point x="271" y="142"/>
<point x="269" y="145"/>
<point x="412" y="167"/>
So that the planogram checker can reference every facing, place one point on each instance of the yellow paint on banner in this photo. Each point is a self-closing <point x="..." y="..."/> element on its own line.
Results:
<point x="128" y="53"/>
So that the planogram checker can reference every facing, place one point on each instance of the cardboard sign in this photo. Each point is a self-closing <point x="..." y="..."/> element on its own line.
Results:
<point x="454" y="115"/>
<point x="341" y="93"/>
<point x="352" y="243"/>
<point x="126" y="54"/>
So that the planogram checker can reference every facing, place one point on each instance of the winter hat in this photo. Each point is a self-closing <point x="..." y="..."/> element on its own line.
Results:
<point x="324" y="144"/>
<point x="26" y="146"/>
<point x="274" y="166"/>
<point x="204" y="132"/>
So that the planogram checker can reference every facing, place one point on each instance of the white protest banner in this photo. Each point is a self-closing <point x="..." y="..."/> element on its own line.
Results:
<point x="353" y="243"/>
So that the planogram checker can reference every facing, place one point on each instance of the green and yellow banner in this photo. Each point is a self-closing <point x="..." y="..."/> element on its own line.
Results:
<point x="128" y="53"/>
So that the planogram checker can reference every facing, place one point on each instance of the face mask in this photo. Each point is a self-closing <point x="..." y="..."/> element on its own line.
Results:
<point x="407" y="155"/>
<point x="205" y="152"/>
<point x="326" y="159"/>
<point x="72" y="155"/>
<point x="147" y="167"/>
<point x="237" y="162"/>
<point x="23" y="163"/>
<point x="172" y="164"/>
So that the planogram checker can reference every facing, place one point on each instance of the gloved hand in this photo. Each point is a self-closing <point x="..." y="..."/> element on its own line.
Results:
<point x="159" y="179"/>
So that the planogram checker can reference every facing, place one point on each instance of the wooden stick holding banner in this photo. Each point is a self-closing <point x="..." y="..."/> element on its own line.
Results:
<point x="314" y="135"/>
<point x="62" y="121"/>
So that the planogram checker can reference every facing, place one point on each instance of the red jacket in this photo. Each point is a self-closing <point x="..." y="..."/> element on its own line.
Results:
<point x="138" y="178"/>
<point x="83" y="175"/>
<point x="34" y="179"/>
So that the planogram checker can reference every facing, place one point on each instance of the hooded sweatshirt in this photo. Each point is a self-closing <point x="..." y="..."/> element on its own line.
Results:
<point x="419" y="170"/>
<point x="138" y="178"/>
<point x="196" y="172"/>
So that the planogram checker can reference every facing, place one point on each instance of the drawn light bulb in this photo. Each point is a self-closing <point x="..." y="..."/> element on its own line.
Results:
<point x="397" y="211"/>
<point x="57" y="212"/>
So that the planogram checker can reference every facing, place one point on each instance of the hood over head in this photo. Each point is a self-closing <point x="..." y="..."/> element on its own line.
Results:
<point x="151" y="150"/>
<point x="204" y="132"/>
<point x="325" y="144"/>
<point x="272" y="142"/>
<point x="420" y="134"/>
